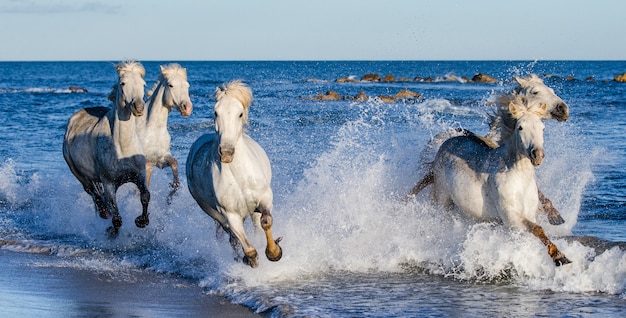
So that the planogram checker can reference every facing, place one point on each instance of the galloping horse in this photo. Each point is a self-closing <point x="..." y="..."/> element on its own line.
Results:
<point x="229" y="174"/>
<point x="496" y="183"/>
<point x="170" y="91"/>
<point x="531" y="92"/>
<point x="103" y="151"/>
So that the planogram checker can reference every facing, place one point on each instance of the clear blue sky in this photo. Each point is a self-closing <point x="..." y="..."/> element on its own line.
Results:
<point x="312" y="30"/>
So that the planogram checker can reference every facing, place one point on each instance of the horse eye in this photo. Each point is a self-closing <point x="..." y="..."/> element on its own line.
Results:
<point x="170" y="85"/>
<point x="521" y="128"/>
<point x="215" y="113"/>
<point x="122" y="84"/>
<point x="240" y="115"/>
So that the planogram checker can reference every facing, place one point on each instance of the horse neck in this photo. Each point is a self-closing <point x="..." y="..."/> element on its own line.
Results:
<point x="157" y="113"/>
<point x="514" y="157"/>
<point x="124" y="132"/>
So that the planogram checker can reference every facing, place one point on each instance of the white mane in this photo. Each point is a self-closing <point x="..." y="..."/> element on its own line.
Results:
<point x="239" y="91"/>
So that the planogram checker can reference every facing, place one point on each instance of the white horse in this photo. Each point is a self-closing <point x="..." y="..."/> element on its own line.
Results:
<point x="103" y="151"/>
<point x="170" y="91"/>
<point x="496" y="183"/>
<point x="531" y="92"/>
<point x="229" y="174"/>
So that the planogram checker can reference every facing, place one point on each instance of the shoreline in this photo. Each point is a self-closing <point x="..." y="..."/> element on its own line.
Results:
<point x="32" y="287"/>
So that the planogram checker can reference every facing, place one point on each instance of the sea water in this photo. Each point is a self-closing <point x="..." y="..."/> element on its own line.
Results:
<point x="352" y="246"/>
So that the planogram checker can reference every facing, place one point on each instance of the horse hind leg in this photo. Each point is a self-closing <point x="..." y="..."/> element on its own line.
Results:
<point x="110" y="198"/>
<point x="273" y="251"/>
<point x="558" y="257"/>
<point x="427" y="180"/>
<point x="95" y="190"/>
<point x="175" y="184"/>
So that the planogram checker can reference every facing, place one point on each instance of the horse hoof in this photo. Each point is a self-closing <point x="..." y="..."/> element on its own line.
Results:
<point x="562" y="261"/>
<point x="142" y="221"/>
<point x="276" y="256"/>
<point x="117" y="222"/>
<point x="251" y="261"/>
<point x="555" y="219"/>
<point x="112" y="231"/>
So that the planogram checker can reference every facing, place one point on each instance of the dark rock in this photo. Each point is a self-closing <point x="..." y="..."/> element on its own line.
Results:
<point x="483" y="78"/>
<point x="389" y="78"/>
<point x="77" y="89"/>
<point x="371" y="78"/>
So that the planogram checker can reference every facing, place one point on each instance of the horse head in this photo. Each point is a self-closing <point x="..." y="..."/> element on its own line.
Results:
<point x="528" y="133"/>
<point x="231" y="114"/>
<point x="532" y="92"/>
<point x="176" y="93"/>
<point x="129" y="89"/>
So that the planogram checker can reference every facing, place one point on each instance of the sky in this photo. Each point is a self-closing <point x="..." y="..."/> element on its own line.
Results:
<point x="111" y="30"/>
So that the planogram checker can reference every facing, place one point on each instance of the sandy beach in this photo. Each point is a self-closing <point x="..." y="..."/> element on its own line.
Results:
<point x="30" y="288"/>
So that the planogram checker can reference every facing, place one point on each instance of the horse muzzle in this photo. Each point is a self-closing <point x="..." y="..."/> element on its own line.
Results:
<point x="137" y="107"/>
<point x="226" y="153"/>
<point x="536" y="156"/>
<point x="185" y="108"/>
<point x="560" y="112"/>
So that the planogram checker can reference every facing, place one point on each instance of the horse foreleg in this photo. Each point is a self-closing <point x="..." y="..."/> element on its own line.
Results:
<point x="273" y="251"/>
<point x="144" y="195"/>
<point x="554" y="217"/>
<point x="238" y="235"/>
<point x="558" y="257"/>
<point x="427" y="180"/>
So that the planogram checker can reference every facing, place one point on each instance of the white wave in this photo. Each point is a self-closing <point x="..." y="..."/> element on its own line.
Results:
<point x="16" y="188"/>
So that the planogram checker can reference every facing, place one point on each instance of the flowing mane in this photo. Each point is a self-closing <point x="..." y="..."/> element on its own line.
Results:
<point x="130" y="66"/>
<point x="166" y="72"/>
<point x="502" y="121"/>
<point x="239" y="91"/>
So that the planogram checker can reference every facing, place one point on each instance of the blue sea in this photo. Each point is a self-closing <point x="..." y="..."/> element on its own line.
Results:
<point x="352" y="247"/>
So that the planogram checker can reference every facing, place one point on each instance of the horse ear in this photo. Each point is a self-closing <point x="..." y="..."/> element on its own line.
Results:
<point x="522" y="82"/>
<point x="515" y="111"/>
<point x="161" y="68"/>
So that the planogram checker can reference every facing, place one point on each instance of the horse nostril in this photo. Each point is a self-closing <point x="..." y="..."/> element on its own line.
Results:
<point x="561" y="111"/>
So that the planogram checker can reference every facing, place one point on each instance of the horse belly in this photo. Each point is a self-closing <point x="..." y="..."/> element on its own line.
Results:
<point x="459" y="183"/>
<point x="467" y="195"/>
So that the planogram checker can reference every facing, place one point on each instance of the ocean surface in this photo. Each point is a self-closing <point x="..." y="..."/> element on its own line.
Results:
<point x="351" y="246"/>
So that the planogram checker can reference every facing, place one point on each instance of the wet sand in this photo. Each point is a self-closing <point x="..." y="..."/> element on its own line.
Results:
<point x="30" y="288"/>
